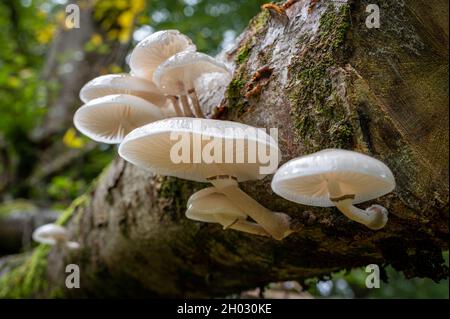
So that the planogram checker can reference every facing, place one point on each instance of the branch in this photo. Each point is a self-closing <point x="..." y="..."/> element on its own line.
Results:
<point x="334" y="83"/>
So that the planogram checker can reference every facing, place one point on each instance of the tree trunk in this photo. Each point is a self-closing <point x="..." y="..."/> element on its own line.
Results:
<point x="334" y="83"/>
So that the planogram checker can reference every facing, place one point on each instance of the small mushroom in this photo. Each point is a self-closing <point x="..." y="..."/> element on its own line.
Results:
<point x="210" y="206"/>
<point x="153" y="147"/>
<point x="122" y="84"/>
<point x="52" y="234"/>
<point x="108" y="119"/>
<point x="338" y="178"/>
<point x="128" y="84"/>
<point x="177" y="76"/>
<point x="157" y="48"/>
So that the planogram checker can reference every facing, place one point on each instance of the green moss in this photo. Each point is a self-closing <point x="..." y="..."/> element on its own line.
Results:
<point x="260" y="21"/>
<point x="320" y="118"/>
<point x="77" y="203"/>
<point x="336" y="24"/>
<point x="234" y="93"/>
<point x="177" y="192"/>
<point x="243" y="53"/>
<point x="28" y="279"/>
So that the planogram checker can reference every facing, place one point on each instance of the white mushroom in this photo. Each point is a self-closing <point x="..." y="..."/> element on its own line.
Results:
<point x="210" y="206"/>
<point x="338" y="178"/>
<point x="108" y="119"/>
<point x="156" y="148"/>
<point x="177" y="75"/>
<point x="155" y="49"/>
<point x="122" y="84"/>
<point x="52" y="234"/>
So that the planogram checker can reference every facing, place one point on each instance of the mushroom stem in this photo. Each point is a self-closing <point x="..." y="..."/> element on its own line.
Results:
<point x="277" y="225"/>
<point x="176" y="105"/>
<point x="241" y="225"/>
<point x="195" y="101"/>
<point x="186" y="107"/>
<point x="61" y="243"/>
<point x="249" y="227"/>
<point x="375" y="217"/>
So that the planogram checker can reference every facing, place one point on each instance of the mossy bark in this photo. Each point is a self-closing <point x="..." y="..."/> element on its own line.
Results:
<point x="334" y="83"/>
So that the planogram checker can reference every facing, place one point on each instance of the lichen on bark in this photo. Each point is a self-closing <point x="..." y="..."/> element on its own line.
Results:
<point x="318" y="109"/>
<point x="235" y="95"/>
<point x="28" y="279"/>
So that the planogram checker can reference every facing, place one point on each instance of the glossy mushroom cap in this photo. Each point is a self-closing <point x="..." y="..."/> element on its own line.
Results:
<point x="155" y="49"/>
<point x="208" y="202"/>
<point x="122" y="84"/>
<point x="305" y="179"/>
<point x="50" y="234"/>
<point x="108" y="119"/>
<point x="150" y="147"/>
<point x="177" y="75"/>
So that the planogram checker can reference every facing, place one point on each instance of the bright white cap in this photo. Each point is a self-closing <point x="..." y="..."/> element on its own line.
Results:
<point x="108" y="119"/>
<point x="122" y="84"/>
<point x="177" y="75"/>
<point x="151" y="147"/>
<point x="155" y="49"/>
<point x="206" y="203"/>
<point x="304" y="180"/>
<point x="50" y="234"/>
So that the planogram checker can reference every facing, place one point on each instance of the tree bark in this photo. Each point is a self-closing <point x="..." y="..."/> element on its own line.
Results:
<point x="334" y="83"/>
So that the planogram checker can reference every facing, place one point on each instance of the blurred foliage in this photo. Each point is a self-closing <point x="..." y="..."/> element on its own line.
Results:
<point x="73" y="182"/>
<point x="211" y="24"/>
<point x="25" y="33"/>
<point x="117" y="17"/>
<point x="353" y="285"/>
<point x="71" y="140"/>
<point x="21" y="58"/>
<point x="15" y="206"/>
<point x="63" y="188"/>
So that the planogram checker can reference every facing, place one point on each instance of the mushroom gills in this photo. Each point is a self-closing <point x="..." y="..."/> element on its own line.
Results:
<point x="209" y="205"/>
<point x="339" y="178"/>
<point x="152" y="147"/>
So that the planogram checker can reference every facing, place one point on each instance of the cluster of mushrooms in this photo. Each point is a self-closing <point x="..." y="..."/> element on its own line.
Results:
<point x="141" y="110"/>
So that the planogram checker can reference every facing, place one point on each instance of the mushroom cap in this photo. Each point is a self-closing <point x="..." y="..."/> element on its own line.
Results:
<point x="155" y="49"/>
<point x="150" y="146"/>
<point x="50" y="234"/>
<point x="178" y="74"/>
<point x="108" y="119"/>
<point x="206" y="203"/>
<point x="122" y="84"/>
<point x="304" y="180"/>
